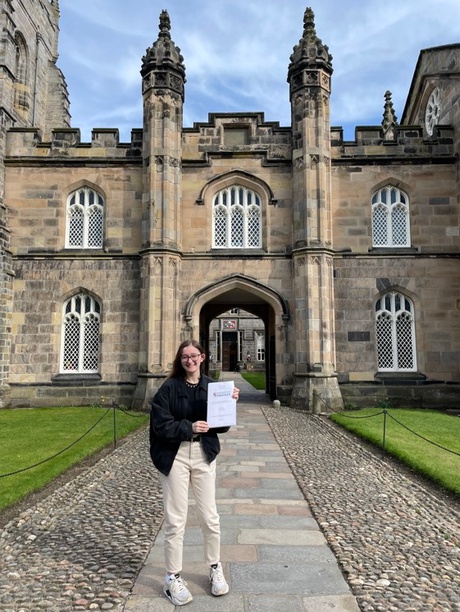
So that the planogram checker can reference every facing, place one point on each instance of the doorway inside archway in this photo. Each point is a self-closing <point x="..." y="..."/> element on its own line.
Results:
<point x="236" y="327"/>
<point x="230" y="357"/>
<point x="237" y="341"/>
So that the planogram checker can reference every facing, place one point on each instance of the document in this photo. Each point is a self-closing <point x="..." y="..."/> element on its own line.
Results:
<point x="221" y="405"/>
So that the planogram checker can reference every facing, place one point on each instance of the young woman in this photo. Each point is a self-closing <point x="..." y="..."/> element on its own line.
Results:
<point x="183" y="449"/>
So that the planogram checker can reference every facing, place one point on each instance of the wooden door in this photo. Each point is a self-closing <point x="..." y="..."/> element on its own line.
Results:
<point x="229" y="351"/>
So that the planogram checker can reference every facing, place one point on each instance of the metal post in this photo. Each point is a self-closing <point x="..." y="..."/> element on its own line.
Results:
<point x="114" y="405"/>
<point x="384" y="432"/>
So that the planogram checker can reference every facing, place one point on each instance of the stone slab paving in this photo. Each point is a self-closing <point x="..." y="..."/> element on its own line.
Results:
<point x="397" y="540"/>
<point x="309" y="517"/>
<point x="273" y="552"/>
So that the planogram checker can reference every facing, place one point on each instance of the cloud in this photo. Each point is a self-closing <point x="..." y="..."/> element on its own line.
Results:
<point x="237" y="54"/>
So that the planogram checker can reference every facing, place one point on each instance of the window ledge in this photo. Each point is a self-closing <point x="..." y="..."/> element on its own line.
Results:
<point x="400" y="378"/>
<point x="393" y="250"/>
<point x="237" y="252"/>
<point x="76" y="380"/>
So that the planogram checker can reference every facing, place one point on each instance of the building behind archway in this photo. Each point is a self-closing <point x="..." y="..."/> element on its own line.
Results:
<point x="113" y="253"/>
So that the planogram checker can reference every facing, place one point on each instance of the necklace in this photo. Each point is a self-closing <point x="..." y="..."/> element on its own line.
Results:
<point x="192" y="385"/>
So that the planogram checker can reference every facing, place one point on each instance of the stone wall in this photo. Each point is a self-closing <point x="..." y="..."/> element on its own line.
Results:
<point x="433" y="287"/>
<point x="33" y="91"/>
<point x="315" y="279"/>
<point x="41" y="287"/>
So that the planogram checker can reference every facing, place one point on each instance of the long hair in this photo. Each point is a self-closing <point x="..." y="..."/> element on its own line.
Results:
<point x="177" y="370"/>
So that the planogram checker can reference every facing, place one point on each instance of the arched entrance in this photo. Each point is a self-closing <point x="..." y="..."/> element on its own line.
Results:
<point x="243" y="292"/>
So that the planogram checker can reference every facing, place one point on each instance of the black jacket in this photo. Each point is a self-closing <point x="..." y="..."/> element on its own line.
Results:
<point x="169" y="425"/>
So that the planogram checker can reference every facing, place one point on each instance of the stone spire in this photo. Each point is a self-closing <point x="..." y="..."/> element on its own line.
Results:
<point x="164" y="60"/>
<point x="389" y="117"/>
<point x="310" y="52"/>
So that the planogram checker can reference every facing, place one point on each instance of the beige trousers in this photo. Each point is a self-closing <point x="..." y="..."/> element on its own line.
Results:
<point x="190" y="467"/>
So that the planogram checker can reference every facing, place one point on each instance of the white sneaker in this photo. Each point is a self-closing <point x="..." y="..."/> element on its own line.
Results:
<point x="176" y="590"/>
<point x="219" y="585"/>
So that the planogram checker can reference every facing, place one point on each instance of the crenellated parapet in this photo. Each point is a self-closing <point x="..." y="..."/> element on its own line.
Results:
<point x="237" y="134"/>
<point x="371" y="143"/>
<point x="66" y="143"/>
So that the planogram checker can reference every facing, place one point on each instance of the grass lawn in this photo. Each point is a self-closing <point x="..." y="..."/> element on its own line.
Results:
<point x="424" y="456"/>
<point x="256" y="379"/>
<point x="29" y="436"/>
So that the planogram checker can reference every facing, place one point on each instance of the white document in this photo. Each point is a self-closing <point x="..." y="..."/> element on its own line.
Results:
<point x="221" y="405"/>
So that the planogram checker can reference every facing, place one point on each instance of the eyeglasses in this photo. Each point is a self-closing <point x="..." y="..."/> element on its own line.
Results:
<point x="193" y="358"/>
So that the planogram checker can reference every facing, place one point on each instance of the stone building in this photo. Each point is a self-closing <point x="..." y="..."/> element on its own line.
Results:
<point x="113" y="252"/>
<point x="236" y="342"/>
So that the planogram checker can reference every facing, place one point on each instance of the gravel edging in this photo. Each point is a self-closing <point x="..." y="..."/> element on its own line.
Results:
<point x="82" y="547"/>
<point x="396" y="542"/>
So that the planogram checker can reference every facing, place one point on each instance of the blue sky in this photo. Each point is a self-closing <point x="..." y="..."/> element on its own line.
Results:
<point x="236" y="55"/>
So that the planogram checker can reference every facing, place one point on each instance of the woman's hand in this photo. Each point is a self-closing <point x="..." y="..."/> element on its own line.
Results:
<point x="199" y="427"/>
<point x="236" y="393"/>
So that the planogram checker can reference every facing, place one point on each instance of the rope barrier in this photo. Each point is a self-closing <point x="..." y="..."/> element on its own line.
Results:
<point x="385" y="413"/>
<point x="126" y="411"/>
<point x="59" y="452"/>
<point x="114" y="407"/>
<point x="423" y="437"/>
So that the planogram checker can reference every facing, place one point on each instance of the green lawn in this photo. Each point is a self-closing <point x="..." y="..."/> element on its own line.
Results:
<point x="416" y="437"/>
<point x="256" y="379"/>
<point x="30" y="436"/>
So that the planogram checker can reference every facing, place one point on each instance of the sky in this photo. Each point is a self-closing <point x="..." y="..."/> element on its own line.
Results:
<point x="236" y="55"/>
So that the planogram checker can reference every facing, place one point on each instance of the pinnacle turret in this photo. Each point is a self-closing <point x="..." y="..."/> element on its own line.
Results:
<point x="164" y="58"/>
<point x="311" y="52"/>
<point x="389" y="115"/>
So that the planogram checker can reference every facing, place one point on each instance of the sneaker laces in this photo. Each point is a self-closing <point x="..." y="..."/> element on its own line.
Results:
<point x="217" y="574"/>
<point x="179" y="582"/>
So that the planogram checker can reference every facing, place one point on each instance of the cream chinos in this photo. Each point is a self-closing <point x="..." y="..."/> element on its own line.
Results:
<point x="190" y="466"/>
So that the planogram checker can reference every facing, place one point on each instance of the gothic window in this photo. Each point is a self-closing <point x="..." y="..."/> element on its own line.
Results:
<point x="390" y="218"/>
<point x="237" y="219"/>
<point x="260" y="346"/>
<point x="85" y="219"/>
<point x="395" y="333"/>
<point x="21" y="101"/>
<point x="433" y="111"/>
<point x="80" y="335"/>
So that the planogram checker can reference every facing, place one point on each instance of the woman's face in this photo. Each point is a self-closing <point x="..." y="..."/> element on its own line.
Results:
<point x="191" y="359"/>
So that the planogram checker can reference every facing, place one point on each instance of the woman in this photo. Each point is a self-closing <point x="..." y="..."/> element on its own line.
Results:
<point x="183" y="448"/>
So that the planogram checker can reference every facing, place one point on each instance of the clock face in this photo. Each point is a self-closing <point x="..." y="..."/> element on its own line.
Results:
<point x="433" y="111"/>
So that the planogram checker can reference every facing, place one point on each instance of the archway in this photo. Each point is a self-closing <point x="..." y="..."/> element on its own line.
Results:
<point x="238" y="291"/>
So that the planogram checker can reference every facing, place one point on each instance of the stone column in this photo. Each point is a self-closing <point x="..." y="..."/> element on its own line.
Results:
<point x="309" y="77"/>
<point x="163" y="79"/>
<point x="6" y="275"/>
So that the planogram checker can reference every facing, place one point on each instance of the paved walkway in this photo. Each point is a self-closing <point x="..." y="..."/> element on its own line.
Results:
<point x="88" y="545"/>
<point x="275" y="557"/>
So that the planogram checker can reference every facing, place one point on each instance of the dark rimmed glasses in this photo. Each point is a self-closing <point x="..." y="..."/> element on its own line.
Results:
<point x="193" y="358"/>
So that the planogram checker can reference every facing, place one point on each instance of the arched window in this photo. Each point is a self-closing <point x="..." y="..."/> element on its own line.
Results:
<point x="390" y="218"/>
<point x="85" y="219"/>
<point x="237" y="215"/>
<point x="21" y="99"/>
<point x="80" y="335"/>
<point x="260" y="346"/>
<point x="395" y="333"/>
